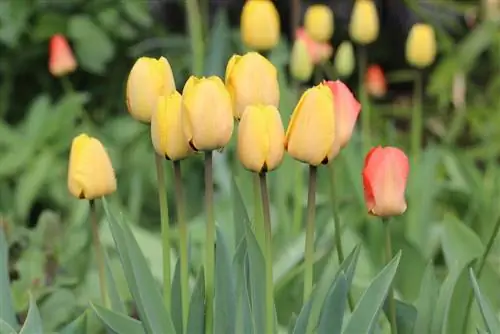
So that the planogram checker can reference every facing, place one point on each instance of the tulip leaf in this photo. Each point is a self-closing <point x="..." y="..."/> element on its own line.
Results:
<point x="77" y="326"/>
<point x="426" y="301"/>
<point x="118" y="323"/>
<point x="196" y="318"/>
<point x="332" y="314"/>
<point x="219" y="41"/>
<point x="176" y="298"/>
<point x="143" y="286"/>
<point x="33" y="322"/>
<point x="406" y="315"/>
<point x="300" y="326"/>
<point x="364" y="317"/>
<point x="116" y="302"/>
<point x="5" y="328"/>
<point x="487" y="312"/>
<point x="7" y="312"/>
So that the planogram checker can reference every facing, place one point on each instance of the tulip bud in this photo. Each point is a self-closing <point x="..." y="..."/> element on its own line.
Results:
<point x="375" y="83"/>
<point x="364" y="24"/>
<point x="310" y="136"/>
<point x="384" y="180"/>
<point x="347" y="109"/>
<point x="61" y="59"/>
<point x="318" y="52"/>
<point x="260" y="25"/>
<point x="421" y="45"/>
<point x="166" y="128"/>
<point x="207" y="116"/>
<point x="344" y="60"/>
<point x="319" y="22"/>
<point x="251" y="79"/>
<point x="148" y="79"/>
<point x="301" y="65"/>
<point x="260" y="138"/>
<point x="90" y="173"/>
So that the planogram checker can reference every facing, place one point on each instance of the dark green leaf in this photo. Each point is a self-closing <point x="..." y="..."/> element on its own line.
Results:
<point x="33" y="322"/>
<point x="196" y="318"/>
<point x="487" y="312"/>
<point x="405" y="316"/>
<point x="118" y="323"/>
<point x="176" y="299"/>
<point x="7" y="312"/>
<point x="332" y="314"/>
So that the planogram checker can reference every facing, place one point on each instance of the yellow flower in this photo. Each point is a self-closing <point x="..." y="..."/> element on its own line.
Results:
<point x="260" y="138"/>
<point x="301" y="64"/>
<point x="148" y="79"/>
<point x="319" y="22"/>
<point x="251" y="79"/>
<point x="310" y="136"/>
<point x="344" y="60"/>
<point x="90" y="173"/>
<point x="207" y="116"/>
<point x="166" y="128"/>
<point x="421" y="45"/>
<point x="364" y="24"/>
<point x="260" y="25"/>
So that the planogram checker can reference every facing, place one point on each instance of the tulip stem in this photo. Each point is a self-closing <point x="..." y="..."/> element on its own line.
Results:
<point x="259" y="228"/>
<point x="183" y="242"/>
<point x="388" y="258"/>
<point x="269" y="254"/>
<point x="165" y="229"/>
<point x="209" y="242"/>
<point x="195" y="24"/>
<point x="310" y="226"/>
<point x="98" y="252"/>
<point x="479" y="270"/>
<point x="297" y="198"/>
<point x="365" y="115"/>
<point x="417" y="117"/>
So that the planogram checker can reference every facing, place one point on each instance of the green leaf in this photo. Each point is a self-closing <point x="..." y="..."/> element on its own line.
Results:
<point x="196" y="318"/>
<point x="5" y="328"/>
<point x="406" y="315"/>
<point x="113" y="294"/>
<point x="332" y="315"/>
<point x="33" y="322"/>
<point x="225" y="298"/>
<point x="300" y="326"/>
<point x="426" y="301"/>
<point x="364" y="317"/>
<point x="176" y="299"/>
<point x="77" y="326"/>
<point x="7" y="312"/>
<point x="487" y="312"/>
<point x="143" y="287"/>
<point x="118" y="323"/>
<point x="219" y="45"/>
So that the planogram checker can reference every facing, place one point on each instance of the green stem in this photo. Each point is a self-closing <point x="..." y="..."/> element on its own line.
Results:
<point x="297" y="199"/>
<point x="209" y="242"/>
<point x="388" y="258"/>
<point x="338" y="234"/>
<point x="417" y="117"/>
<point x="183" y="242"/>
<point x="98" y="252"/>
<point x="365" y="115"/>
<point x="165" y="229"/>
<point x="258" y="218"/>
<point x="195" y="25"/>
<point x="479" y="270"/>
<point x="269" y="254"/>
<point x="309" y="248"/>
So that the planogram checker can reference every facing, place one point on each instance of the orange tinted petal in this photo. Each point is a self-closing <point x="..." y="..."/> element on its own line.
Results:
<point x="375" y="82"/>
<point x="61" y="59"/>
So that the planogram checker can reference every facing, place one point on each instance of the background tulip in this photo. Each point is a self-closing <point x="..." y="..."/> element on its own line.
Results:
<point x="345" y="61"/>
<point x="260" y="138"/>
<point x="207" y="116"/>
<point x="61" y="58"/>
<point x="166" y="128"/>
<point x="364" y="24"/>
<point x="148" y="79"/>
<point x="319" y="22"/>
<point x="384" y="179"/>
<point x="421" y="45"/>
<point x="318" y="52"/>
<point x="260" y="25"/>
<point x="90" y="173"/>
<point x="375" y="83"/>
<point x="301" y="64"/>
<point x="251" y="79"/>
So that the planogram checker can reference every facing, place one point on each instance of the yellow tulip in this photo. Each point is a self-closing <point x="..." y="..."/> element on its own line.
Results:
<point x="260" y="25"/>
<point x="260" y="138"/>
<point x="310" y="136"/>
<point x="251" y="79"/>
<point x="344" y="60"/>
<point x="207" y="116"/>
<point x="148" y="79"/>
<point x="421" y="45"/>
<point x="90" y="173"/>
<point x="364" y="25"/>
<point x="319" y="22"/>
<point x="166" y="128"/>
<point x="301" y="64"/>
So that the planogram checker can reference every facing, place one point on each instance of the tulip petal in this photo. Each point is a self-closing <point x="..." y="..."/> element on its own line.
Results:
<point x="61" y="58"/>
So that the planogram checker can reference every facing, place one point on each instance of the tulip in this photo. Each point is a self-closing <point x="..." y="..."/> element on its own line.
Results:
<point x="375" y="82"/>
<point x="166" y="128"/>
<point x="384" y="180"/>
<point x="310" y="136"/>
<point x="90" y="173"/>
<point x="346" y="109"/>
<point x="421" y="45"/>
<point x="207" y="116"/>
<point x="301" y="64"/>
<point x="319" y="22"/>
<point x="319" y="52"/>
<point x="148" y="79"/>
<point x="344" y="59"/>
<point x="364" y="25"/>
<point x="260" y="139"/>
<point x="61" y="58"/>
<point x="260" y="25"/>
<point x="251" y="79"/>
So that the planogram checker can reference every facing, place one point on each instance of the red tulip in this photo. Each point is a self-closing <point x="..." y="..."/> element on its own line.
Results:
<point x="384" y="180"/>
<point x="318" y="52"/>
<point x="346" y="108"/>
<point x="61" y="59"/>
<point x="375" y="83"/>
